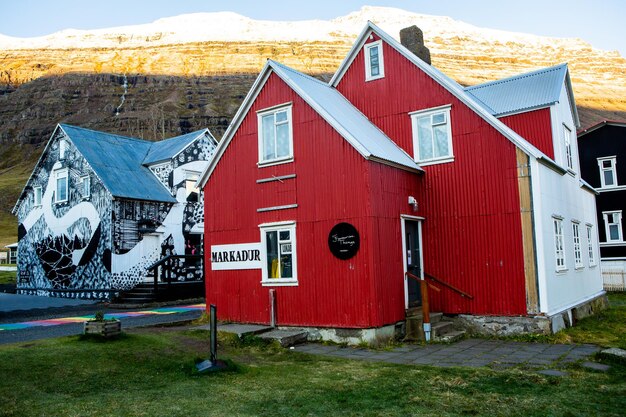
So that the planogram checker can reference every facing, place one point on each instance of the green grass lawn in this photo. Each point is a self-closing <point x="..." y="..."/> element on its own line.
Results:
<point x="151" y="373"/>
<point x="607" y="329"/>
<point x="7" y="277"/>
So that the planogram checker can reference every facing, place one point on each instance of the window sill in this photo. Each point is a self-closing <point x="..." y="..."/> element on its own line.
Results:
<point x="561" y="271"/>
<point x="613" y="243"/>
<point x="377" y="77"/>
<point x="280" y="283"/>
<point x="578" y="268"/>
<point x="263" y="164"/>
<point x="435" y="161"/>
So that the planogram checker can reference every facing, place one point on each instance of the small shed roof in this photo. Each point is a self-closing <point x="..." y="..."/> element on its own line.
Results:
<point x="522" y="92"/>
<point x="168" y="148"/>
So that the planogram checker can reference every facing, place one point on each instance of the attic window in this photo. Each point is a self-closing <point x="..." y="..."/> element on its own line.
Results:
<point x="374" y="63"/>
<point x="62" y="148"/>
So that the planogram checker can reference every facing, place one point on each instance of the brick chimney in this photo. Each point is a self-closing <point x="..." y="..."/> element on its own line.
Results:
<point x="413" y="39"/>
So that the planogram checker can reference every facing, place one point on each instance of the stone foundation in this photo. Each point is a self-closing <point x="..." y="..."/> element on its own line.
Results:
<point x="507" y="325"/>
<point x="355" y="336"/>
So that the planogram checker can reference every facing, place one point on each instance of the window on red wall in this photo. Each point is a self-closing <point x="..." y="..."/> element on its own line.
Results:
<point x="432" y="135"/>
<point x="374" y="63"/>
<point x="278" y="245"/>
<point x="275" y="135"/>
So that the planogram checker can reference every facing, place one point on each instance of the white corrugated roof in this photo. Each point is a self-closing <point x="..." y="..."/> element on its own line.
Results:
<point x="522" y="92"/>
<point x="346" y="119"/>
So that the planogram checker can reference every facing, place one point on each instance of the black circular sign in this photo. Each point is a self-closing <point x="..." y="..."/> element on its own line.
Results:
<point x="344" y="241"/>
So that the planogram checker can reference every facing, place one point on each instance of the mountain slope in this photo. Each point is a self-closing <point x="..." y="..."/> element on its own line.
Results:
<point x="192" y="71"/>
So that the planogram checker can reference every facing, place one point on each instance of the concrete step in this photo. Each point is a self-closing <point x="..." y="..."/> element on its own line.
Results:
<point x="286" y="338"/>
<point x="451" y="336"/>
<point x="240" y="330"/>
<point x="440" y="328"/>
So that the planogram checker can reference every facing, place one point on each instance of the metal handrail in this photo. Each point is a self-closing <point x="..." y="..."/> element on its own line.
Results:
<point x="425" y="302"/>
<point x="442" y="282"/>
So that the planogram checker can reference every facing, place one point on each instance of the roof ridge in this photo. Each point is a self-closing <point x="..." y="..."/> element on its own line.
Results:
<point x="100" y="132"/>
<point x="285" y="67"/>
<point x="178" y="136"/>
<point x="516" y="77"/>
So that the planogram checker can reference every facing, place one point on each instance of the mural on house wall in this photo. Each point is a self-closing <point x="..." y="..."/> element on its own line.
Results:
<point x="80" y="240"/>
<point x="65" y="247"/>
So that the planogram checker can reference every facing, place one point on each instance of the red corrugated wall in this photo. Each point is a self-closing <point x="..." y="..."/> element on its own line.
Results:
<point x="332" y="184"/>
<point x="472" y="231"/>
<point x="535" y="127"/>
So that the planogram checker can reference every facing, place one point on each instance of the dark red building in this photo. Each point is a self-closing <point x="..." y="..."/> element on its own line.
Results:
<point x="328" y="193"/>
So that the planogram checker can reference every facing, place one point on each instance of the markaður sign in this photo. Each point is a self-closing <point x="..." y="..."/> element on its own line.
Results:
<point x="236" y="256"/>
<point x="344" y="241"/>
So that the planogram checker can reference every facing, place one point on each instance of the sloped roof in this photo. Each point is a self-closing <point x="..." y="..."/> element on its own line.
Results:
<point x="117" y="162"/>
<point x="601" y="124"/>
<point x="522" y="92"/>
<point x="347" y="120"/>
<point x="168" y="148"/>
<point x="452" y="86"/>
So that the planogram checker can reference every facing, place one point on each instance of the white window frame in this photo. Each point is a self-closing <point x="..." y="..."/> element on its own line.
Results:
<point x="37" y="192"/>
<point x="62" y="148"/>
<point x="191" y="175"/>
<point x="559" y="244"/>
<point x="590" y="248"/>
<point x="605" y="215"/>
<point x="60" y="174"/>
<point x="265" y="112"/>
<point x="85" y="179"/>
<point x="567" y="143"/>
<point x="611" y="169"/>
<point x="415" y="116"/>
<point x="378" y="45"/>
<point x="578" y="253"/>
<point x="278" y="227"/>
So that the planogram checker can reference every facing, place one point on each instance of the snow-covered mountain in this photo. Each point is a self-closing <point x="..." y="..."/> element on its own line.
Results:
<point x="227" y="43"/>
<point x="233" y="27"/>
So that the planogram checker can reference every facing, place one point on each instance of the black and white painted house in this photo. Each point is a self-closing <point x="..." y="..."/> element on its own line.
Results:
<point x="99" y="208"/>
<point x="602" y="150"/>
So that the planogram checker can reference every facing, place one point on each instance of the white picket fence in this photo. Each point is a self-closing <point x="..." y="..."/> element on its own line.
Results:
<point x="614" y="275"/>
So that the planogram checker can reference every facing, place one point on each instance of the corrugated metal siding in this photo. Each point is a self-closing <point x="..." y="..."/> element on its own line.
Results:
<point x="535" y="127"/>
<point x="472" y="231"/>
<point x="330" y="187"/>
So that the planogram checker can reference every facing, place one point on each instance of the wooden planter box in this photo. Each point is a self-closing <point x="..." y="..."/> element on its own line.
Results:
<point x="106" y="328"/>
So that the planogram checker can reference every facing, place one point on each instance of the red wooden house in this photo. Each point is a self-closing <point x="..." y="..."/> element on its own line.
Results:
<point x="325" y="195"/>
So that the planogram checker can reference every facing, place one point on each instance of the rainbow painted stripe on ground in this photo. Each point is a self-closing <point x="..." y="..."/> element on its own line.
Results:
<point x="80" y="319"/>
